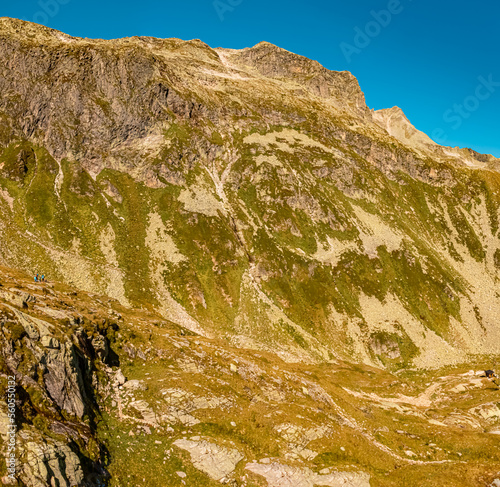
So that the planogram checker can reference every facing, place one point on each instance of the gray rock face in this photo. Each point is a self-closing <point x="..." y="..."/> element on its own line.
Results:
<point x="55" y="369"/>
<point x="64" y="380"/>
<point x="63" y="375"/>
<point x="50" y="463"/>
<point x="274" y="62"/>
<point x="90" y="74"/>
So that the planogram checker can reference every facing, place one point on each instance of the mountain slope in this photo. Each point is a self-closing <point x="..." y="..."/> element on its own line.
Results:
<point x="108" y="395"/>
<point x="249" y="195"/>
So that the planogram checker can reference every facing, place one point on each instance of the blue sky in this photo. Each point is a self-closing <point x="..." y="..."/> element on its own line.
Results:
<point x="438" y="61"/>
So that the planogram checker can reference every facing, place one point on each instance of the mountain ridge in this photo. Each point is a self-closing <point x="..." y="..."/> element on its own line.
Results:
<point x="261" y="49"/>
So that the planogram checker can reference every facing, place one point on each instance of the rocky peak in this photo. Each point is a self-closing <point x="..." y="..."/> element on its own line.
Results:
<point x="395" y="122"/>
<point x="274" y="62"/>
<point x="28" y="31"/>
<point x="98" y="94"/>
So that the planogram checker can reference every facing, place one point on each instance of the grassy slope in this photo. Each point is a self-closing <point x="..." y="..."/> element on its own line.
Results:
<point x="305" y="210"/>
<point x="351" y="402"/>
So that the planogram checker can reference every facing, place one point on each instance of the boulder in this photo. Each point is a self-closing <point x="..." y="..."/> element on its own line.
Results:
<point x="101" y="347"/>
<point x="120" y="378"/>
<point x="135" y="385"/>
<point x="25" y="300"/>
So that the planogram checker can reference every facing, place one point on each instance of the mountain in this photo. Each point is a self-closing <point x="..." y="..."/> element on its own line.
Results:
<point x="253" y="279"/>
<point x="108" y="395"/>
<point x="248" y="195"/>
<point x="396" y="124"/>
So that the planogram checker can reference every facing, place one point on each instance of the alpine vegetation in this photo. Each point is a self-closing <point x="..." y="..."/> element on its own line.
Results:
<point x="249" y="277"/>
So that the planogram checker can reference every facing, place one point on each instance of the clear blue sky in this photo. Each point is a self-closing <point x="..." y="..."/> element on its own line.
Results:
<point x="426" y="58"/>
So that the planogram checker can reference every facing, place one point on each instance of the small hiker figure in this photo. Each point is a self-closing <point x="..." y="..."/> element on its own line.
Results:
<point x="489" y="374"/>
<point x="43" y="277"/>
<point x="36" y="278"/>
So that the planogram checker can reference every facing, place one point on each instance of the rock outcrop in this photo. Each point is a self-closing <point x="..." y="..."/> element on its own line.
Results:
<point x="50" y="463"/>
<point x="278" y="475"/>
<point x="216" y="461"/>
<point x="53" y="366"/>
